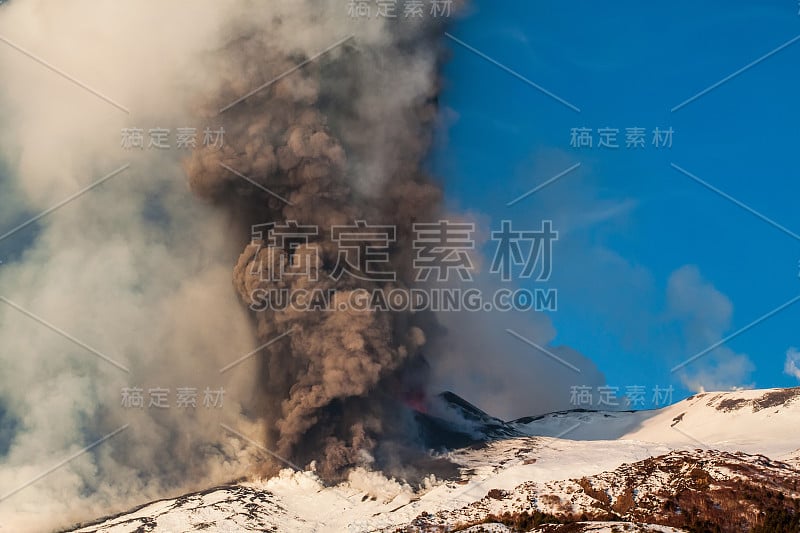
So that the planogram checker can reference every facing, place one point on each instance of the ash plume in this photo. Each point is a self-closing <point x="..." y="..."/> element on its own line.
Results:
<point x="139" y="268"/>
<point x="338" y="141"/>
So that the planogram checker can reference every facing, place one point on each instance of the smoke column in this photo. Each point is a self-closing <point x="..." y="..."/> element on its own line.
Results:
<point x="338" y="141"/>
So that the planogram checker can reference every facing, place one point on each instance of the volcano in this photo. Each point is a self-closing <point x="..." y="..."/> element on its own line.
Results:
<point x="452" y="423"/>
<point x="614" y="471"/>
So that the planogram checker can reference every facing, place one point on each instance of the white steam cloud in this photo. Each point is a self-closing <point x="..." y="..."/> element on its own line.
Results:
<point x="136" y="268"/>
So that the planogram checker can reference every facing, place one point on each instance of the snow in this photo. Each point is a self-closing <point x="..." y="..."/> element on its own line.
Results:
<point x="590" y="443"/>
<point x="488" y="528"/>
<point x="624" y="527"/>
<point x="592" y="527"/>
<point x="704" y="422"/>
<point x="769" y="431"/>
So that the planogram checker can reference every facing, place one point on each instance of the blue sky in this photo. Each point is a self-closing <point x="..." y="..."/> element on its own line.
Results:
<point x="652" y="266"/>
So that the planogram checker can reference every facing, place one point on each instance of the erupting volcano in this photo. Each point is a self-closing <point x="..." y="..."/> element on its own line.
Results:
<point x="339" y="142"/>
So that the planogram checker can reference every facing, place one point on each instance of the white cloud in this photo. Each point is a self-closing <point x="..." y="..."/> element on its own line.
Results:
<point x="792" y="365"/>
<point x="704" y="314"/>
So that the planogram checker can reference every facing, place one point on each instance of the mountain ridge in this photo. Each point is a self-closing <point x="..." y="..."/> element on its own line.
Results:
<point x="641" y="459"/>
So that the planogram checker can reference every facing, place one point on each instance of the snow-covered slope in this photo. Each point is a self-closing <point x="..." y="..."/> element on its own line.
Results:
<point x="708" y="487"/>
<point x="577" y="527"/>
<point x="608" y="466"/>
<point x="765" y="421"/>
